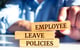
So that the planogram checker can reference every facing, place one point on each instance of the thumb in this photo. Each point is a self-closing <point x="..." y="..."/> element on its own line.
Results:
<point x="62" y="17"/>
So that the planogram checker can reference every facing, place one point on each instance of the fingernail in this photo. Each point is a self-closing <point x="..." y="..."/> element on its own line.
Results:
<point x="62" y="30"/>
<point x="65" y="32"/>
<point x="61" y="18"/>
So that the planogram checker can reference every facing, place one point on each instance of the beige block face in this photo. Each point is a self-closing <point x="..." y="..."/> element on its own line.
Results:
<point x="40" y="26"/>
<point x="34" y="34"/>
<point x="40" y="43"/>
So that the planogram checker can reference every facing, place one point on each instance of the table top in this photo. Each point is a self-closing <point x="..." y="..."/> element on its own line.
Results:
<point x="63" y="46"/>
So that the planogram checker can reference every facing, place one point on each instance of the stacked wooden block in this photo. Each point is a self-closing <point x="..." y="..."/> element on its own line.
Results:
<point x="42" y="34"/>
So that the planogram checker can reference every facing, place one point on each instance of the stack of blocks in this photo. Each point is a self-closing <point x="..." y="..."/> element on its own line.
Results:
<point x="42" y="34"/>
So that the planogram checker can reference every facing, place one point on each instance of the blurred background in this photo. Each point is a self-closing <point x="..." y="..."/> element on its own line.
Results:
<point x="8" y="39"/>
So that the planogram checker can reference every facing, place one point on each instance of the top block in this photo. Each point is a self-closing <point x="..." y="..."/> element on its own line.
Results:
<point x="49" y="26"/>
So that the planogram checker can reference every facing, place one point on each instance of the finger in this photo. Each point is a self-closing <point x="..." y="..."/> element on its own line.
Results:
<point x="63" y="14"/>
<point x="62" y="17"/>
<point x="14" y="28"/>
<point x="72" y="14"/>
<point x="27" y="25"/>
<point x="24" y="24"/>
<point x="75" y="33"/>
<point x="78" y="20"/>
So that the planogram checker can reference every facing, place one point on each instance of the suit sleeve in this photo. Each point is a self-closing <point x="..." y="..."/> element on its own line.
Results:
<point x="71" y="2"/>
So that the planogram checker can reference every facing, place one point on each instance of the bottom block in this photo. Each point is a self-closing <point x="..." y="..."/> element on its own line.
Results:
<point x="40" y="43"/>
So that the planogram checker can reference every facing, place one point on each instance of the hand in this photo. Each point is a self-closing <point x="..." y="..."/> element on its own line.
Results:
<point x="73" y="15"/>
<point x="21" y="25"/>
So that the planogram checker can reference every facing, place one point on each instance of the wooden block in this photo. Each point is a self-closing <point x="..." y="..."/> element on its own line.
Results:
<point x="40" y="26"/>
<point x="40" y="43"/>
<point x="34" y="34"/>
